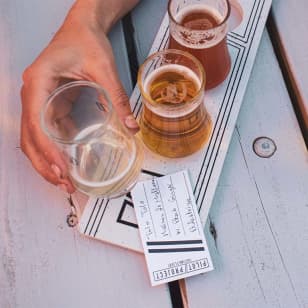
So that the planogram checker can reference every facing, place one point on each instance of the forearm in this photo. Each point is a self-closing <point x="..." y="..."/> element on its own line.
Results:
<point x="102" y="14"/>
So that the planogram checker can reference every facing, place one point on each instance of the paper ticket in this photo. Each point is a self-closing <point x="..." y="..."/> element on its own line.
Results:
<point x="170" y="228"/>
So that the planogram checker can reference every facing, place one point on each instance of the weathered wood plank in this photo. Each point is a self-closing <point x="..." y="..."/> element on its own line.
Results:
<point x="147" y="17"/>
<point x="291" y="21"/>
<point x="43" y="263"/>
<point x="260" y="207"/>
<point x="117" y="40"/>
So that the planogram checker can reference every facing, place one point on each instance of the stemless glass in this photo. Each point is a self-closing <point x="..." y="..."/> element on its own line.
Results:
<point x="103" y="158"/>
<point x="200" y="28"/>
<point x="174" y="121"/>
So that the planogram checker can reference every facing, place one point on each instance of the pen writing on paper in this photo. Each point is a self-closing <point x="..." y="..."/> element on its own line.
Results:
<point x="191" y="222"/>
<point x="155" y="192"/>
<point x="163" y="225"/>
<point x="159" y="207"/>
<point x="189" y="211"/>
<point x="176" y="221"/>
<point x="144" y="211"/>
<point x="171" y="189"/>
<point x="163" y="213"/>
<point x="148" y="230"/>
<point x="175" y="211"/>
<point x="147" y="216"/>
<point x="143" y="208"/>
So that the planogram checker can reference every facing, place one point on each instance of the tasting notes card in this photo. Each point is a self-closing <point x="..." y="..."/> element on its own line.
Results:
<point x="170" y="228"/>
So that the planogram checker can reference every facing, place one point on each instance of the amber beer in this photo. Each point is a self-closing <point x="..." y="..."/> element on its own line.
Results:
<point x="174" y="121"/>
<point x="201" y="30"/>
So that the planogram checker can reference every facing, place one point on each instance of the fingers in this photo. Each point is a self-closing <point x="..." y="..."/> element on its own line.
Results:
<point x="44" y="76"/>
<point x="44" y="156"/>
<point x="105" y="74"/>
<point x="50" y="172"/>
<point x="121" y="105"/>
<point x="35" y="144"/>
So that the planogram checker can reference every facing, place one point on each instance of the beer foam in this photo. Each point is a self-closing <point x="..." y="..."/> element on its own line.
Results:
<point x="75" y="175"/>
<point x="198" y="33"/>
<point x="180" y="69"/>
<point x="198" y="8"/>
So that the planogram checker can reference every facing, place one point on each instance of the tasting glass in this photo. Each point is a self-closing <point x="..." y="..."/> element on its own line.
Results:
<point x="174" y="121"/>
<point x="200" y="28"/>
<point x="102" y="157"/>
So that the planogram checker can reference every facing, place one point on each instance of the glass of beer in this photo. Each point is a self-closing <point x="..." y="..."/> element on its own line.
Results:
<point x="174" y="121"/>
<point x="200" y="28"/>
<point x="103" y="158"/>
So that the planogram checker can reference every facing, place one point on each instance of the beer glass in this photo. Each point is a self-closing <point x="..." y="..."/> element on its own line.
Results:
<point x="103" y="158"/>
<point x="174" y="121"/>
<point x="200" y="28"/>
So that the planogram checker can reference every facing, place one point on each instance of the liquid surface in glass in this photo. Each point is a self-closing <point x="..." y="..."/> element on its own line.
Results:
<point x="178" y="124"/>
<point x="214" y="58"/>
<point x="106" y="164"/>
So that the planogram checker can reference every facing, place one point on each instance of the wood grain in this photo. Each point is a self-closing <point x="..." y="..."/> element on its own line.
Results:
<point x="257" y="228"/>
<point x="259" y="215"/>
<point x="260" y="206"/>
<point x="43" y="262"/>
<point x="291" y="23"/>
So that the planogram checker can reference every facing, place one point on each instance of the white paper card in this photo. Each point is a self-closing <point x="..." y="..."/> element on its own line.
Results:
<point x="170" y="228"/>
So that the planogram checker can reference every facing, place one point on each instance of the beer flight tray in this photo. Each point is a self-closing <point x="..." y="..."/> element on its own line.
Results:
<point x="114" y="220"/>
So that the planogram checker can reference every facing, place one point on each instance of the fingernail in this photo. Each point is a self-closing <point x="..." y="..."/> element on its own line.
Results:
<point x="131" y="122"/>
<point x="62" y="187"/>
<point x="56" y="170"/>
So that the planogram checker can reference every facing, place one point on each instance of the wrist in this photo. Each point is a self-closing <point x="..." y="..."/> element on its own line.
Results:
<point x="100" y="14"/>
<point x="83" y="14"/>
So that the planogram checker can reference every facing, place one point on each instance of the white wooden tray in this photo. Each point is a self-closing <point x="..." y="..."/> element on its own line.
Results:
<point x="114" y="220"/>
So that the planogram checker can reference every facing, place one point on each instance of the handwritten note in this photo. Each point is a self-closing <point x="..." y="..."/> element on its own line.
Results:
<point x="170" y="228"/>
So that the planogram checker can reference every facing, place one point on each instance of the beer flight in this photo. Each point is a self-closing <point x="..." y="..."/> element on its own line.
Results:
<point x="174" y="120"/>
<point x="102" y="157"/>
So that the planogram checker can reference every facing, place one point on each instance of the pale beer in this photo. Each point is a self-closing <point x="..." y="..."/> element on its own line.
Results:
<point x="177" y="124"/>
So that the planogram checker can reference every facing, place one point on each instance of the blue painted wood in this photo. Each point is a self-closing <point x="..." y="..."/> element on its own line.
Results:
<point x="257" y="227"/>
<point x="43" y="262"/>
<point x="117" y="40"/>
<point x="260" y="207"/>
<point x="292" y="21"/>
<point x="147" y="17"/>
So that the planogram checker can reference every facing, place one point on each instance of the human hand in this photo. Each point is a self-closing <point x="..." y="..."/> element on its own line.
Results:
<point x="80" y="50"/>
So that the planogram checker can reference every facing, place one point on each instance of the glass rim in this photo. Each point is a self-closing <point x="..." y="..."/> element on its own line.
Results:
<point x="174" y="51"/>
<point x="197" y="31"/>
<point x="59" y="90"/>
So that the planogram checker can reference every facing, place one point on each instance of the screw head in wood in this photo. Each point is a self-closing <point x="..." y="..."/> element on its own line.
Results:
<point x="72" y="220"/>
<point x="264" y="147"/>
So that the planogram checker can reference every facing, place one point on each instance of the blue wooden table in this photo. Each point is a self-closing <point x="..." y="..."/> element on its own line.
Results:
<point x="258" y="224"/>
